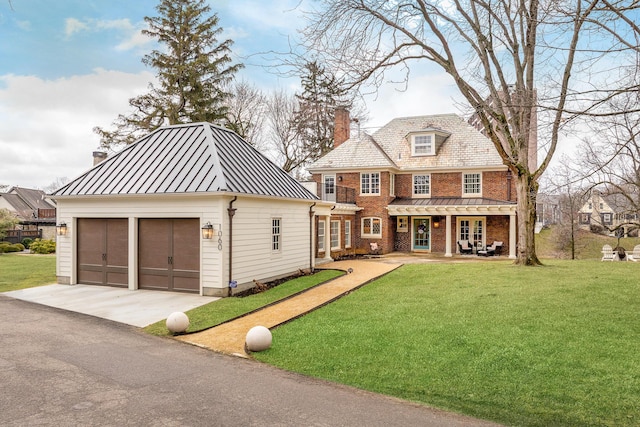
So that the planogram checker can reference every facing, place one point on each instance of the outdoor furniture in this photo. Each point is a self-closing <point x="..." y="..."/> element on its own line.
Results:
<point x="621" y="254"/>
<point x="376" y="249"/>
<point x="465" y="247"/>
<point x="607" y="253"/>
<point x="493" y="249"/>
<point x="634" y="255"/>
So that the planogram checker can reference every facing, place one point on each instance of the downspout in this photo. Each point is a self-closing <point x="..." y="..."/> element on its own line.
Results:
<point x="509" y="184"/>
<point x="231" y="211"/>
<point x="311" y="217"/>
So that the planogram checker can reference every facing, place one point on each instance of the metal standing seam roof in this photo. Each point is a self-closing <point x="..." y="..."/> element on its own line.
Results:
<point x="451" y="201"/>
<point x="189" y="158"/>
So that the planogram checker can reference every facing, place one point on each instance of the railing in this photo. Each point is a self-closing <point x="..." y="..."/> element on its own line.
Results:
<point x="336" y="193"/>
<point x="16" y="236"/>
<point x="46" y="213"/>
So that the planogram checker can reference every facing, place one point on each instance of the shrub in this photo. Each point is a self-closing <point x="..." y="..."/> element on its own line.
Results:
<point x="26" y="242"/>
<point x="595" y="228"/>
<point x="8" y="247"/>
<point x="40" y="246"/>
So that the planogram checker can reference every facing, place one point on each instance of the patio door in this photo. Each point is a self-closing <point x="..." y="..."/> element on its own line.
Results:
<point x="473" y="230"/>
<point x="421" y="234"/>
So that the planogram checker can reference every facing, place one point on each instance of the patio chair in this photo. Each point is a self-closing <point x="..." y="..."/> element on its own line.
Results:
<point x="493" y="249"/>
<point x="376" y="249"/>
<point x="465" y="247"/>
<point x="607" y="253"/>
<point x="634" y="255"/>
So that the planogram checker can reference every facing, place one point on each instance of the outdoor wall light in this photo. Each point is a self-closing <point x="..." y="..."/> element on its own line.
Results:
<point x="61" y="229"/>
<point x="207" y="231"/>
<point x="436" y="222"/>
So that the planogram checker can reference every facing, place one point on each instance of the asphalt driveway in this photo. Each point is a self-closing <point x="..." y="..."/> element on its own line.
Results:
<point x="61" y="368"/>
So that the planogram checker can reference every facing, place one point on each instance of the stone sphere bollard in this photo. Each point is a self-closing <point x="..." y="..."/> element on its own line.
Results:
<point x="177" y="322"/>
<point x="258" y="338"/>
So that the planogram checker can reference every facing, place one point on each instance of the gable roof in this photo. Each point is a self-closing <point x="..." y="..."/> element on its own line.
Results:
<point x="26" y="202"/>
<point x="463" y="146"/>
<point x="190" y="158"/>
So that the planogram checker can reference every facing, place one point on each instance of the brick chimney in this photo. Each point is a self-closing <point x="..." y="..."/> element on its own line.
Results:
<point x="98" y="156"/>
<point x="342" y="127"/>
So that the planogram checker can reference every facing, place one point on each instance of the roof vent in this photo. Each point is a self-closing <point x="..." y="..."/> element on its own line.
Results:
<point x="98" y="156"/>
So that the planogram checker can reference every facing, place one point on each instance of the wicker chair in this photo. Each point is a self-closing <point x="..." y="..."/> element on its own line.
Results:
<point x="465" y="247"/>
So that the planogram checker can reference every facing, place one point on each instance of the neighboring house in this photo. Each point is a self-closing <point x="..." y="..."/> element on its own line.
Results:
<point x="35" y="211"/>
<point x="418" y="184"/>
<point x="610" y="212"/>
<point x="548" y="210"/>
<point x="190" y="208"/>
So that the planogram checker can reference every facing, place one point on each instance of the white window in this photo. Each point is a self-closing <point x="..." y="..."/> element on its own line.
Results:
<point x="347" y="234"/>
<point x="471" y="184"/>
<point x="422" y="185"/>
<point x="276" y="234"/>
<point x="403" y="224"/>
<point x="321" y="236"/>
<point x="606" y="218"/>
<point x="370" y="183"/>
<point x="392" y="184"/>
<point x="423" y="145"/>
<point x="371" y="227"/>
<point x="335" y="235"/>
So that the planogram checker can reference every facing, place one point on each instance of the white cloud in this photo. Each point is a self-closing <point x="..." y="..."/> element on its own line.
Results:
<point x="47" y="124"/>
<point x="73" y="25"/>
<point x="279" y="14"/>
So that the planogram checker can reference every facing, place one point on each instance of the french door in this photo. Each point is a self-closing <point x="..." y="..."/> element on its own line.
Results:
<point x="473" y="230"/>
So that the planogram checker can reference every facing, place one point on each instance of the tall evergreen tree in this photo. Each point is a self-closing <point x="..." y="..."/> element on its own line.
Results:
<point x="193" y="70"/>
<point x="321" y="94"/>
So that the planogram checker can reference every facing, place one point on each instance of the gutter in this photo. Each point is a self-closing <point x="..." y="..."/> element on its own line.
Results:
<point x="231" y="211"/>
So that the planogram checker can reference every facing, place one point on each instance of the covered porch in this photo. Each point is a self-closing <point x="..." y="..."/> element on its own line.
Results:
<point x="435" y="225"/>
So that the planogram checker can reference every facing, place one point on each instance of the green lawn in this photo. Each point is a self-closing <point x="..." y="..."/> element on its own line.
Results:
<point x="226" y="309"/>
<point x="555" y="345"/>
<point x="19" y="271"/>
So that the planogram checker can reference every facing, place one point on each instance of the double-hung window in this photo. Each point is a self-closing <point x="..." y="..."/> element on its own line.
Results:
<point x="422" y="185"/>
<point x="321" y="236"/>
<point x="335" y="235"/>
<point x="276" y="234"/>
<point x="370" y="183"/>
<point x="472" y="184"/>
<point x="423" y="145"/>
<point x="371" y="227"/>
<point x="347" y="233"/>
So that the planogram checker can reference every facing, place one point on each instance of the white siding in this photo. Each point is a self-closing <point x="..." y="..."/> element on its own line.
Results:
<point x="252" y="254"/>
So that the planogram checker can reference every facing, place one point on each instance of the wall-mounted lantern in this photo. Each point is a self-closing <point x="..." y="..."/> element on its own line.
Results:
<point x="61" y="229"/>
<point x="436" y="222"/>
<point x="207" y="231"/>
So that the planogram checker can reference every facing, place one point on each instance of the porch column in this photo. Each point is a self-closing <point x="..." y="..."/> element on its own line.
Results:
<point x="512" y="236"/>
<point x="327" y="238"/>
<point x="447" y="230"/>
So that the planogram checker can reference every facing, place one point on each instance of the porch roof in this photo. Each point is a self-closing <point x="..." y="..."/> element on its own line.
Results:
<point x="451" y="206"/>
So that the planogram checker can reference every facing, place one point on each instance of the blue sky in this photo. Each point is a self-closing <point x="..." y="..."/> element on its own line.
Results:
<point x="69" y="65"/>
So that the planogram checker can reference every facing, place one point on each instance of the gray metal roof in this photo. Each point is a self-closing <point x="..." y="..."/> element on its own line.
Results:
<point x="451" y="201"/>
<point x="191" y="158"/>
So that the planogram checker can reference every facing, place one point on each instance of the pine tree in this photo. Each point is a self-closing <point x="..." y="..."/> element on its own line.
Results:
<point x="193" y="70"/>
<point x="321" y="94"/>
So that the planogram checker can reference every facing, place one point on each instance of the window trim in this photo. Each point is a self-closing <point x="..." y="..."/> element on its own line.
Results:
<point x="392" y="184"/>
<point x="347" y="233"/>
<point x="402" y="224"/>
<point x="331" y="235"/>
<point x="370" y="182"/>
<point x="320" y="235"/>
<point x="413" y="186"/>
<point x="478" y="194"/>
<point x="276" y="236"/>
<point x="371" y="235"/>
<point x="432" y="151"/>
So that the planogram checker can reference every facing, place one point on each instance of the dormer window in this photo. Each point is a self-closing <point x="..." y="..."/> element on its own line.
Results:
<point x="427" y="141"/>
<point x="423" y="145"/>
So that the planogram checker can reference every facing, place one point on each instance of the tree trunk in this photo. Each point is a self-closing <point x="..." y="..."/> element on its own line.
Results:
<point x="527" y="190"/>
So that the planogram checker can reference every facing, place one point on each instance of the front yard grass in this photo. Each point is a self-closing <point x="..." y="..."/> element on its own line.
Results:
<point x="225" y="309"/>
<point x="554" y="345"/>
<point x="19" y="271"/>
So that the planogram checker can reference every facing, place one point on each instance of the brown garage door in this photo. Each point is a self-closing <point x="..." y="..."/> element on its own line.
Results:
<point x="169" y="254"/>
<point x="103" y="248"/>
